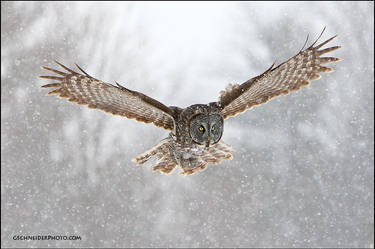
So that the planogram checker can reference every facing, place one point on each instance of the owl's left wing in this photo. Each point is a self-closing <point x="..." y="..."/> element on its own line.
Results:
<point x="288" y="76"/>
<point x="118" y="100"/>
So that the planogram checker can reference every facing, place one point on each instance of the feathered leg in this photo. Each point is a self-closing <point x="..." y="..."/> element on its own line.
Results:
<point x="165" y="163"/>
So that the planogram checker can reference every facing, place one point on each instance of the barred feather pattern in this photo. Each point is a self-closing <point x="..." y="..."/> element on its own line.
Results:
<point x="288" y="76"/>
<point x="169" y="155"/>
<point x="199" y="161"/>
<point x="118" y="100"/>
<point x="165" y="159"/>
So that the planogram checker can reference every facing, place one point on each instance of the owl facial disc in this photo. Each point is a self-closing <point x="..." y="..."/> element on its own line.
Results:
<point x="206" y="129"/>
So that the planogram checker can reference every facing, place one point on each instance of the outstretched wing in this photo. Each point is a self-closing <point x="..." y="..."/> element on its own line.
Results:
<point x="288" y="76"/>
<point x="118" y="100"/>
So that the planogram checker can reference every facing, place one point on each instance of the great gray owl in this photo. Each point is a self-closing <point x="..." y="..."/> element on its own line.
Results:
<point x="194" y="140"/>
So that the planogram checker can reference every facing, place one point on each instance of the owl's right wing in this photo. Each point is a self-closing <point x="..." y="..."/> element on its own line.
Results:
<point x="118" y="100"/>
<point x="288" y="76"/>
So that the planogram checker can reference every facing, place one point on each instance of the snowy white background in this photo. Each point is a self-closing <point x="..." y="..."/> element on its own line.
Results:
<point x="302" y="173"/>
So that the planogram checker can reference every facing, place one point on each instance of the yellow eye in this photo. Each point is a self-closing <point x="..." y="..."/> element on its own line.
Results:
<point x="212" y="128"/>
<point x="201" y="128"/>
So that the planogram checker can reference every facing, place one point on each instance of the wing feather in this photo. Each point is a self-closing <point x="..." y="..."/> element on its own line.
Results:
<point x="118" y="100"/>
<point x="288" y="76"/>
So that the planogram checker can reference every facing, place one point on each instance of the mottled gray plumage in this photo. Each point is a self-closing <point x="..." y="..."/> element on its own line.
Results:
<point x="195" y="137"/>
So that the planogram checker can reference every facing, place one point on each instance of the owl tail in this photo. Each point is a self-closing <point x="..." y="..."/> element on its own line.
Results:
<point x="165" y="163"/>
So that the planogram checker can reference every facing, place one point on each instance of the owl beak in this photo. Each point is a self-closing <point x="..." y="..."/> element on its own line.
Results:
<point x="208" y="142"/>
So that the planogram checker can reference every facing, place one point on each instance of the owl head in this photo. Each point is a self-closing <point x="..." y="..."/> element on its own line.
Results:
<point x="206" y="129"/>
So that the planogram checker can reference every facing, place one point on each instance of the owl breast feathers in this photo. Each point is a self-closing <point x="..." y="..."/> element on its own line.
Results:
<point x="196" y="131"/>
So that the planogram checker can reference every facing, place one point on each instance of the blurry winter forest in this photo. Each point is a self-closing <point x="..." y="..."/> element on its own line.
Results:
<point x="302" y="172"/>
